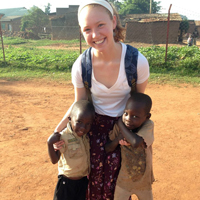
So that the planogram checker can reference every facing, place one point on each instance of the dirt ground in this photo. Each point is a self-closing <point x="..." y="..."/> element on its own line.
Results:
<point x="29" y="112"/>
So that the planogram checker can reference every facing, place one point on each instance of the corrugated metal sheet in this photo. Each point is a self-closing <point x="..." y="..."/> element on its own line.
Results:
<point x="13" y="13"/>
<point x="152" y="17"/>
<point x="197" y="23"/>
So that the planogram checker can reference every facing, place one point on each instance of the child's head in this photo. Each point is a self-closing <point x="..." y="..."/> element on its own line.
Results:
<point x="137" y="110"/>
<point x="81" y="117"/>
<point x="92" y="12"/>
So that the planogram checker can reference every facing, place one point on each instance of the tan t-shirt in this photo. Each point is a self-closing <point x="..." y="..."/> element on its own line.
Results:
<point x="136" y="167"/>
<point x="74" y="160"/>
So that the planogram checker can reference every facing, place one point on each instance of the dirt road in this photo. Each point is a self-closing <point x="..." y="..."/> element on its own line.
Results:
<point x="29" y="112"/>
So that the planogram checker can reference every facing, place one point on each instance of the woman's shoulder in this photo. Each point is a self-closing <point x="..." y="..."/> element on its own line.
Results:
<point x="78" y="60"/>
<point x="140" y="55"/>
<point x="77" y="64"/>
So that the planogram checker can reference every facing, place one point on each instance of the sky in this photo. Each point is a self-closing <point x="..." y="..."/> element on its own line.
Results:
<point x="190" y="8"/>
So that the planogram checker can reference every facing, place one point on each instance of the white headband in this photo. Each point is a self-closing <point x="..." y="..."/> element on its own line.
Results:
<point x="103" y="3"/>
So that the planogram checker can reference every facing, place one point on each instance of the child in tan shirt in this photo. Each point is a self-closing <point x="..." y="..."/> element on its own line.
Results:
<point x="73" y="158"/>
<point x="136" y="173"/>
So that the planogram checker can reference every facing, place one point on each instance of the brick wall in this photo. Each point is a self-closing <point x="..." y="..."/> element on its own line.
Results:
<point x="15" y="24"/>
<point x="152" y="32"/>
<point x="65" y="27"/>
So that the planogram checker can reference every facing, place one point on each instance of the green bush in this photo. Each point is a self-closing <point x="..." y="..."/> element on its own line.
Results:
<point x="40" y="59"/>
<point x="182" y="62"/>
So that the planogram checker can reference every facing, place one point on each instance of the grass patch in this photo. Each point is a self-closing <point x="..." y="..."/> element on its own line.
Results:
<point x="37" y="43"/>
<point x="38" y="59"/>
<point x="25" y="61"/>
<point x="172" y="79"/>
<point x="182" y="64"/>
<point x="13" y="41"/>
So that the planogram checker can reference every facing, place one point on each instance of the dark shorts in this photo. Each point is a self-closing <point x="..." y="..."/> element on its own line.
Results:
<point x="104" y="166"/>
<point x="67" y="189"/>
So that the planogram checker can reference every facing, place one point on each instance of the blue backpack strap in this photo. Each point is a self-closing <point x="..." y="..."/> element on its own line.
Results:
<point x="86" y="65"/>
<point x="131" y="59"/>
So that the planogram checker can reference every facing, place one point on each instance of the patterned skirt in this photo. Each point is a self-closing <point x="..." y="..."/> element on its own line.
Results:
<point x="104" y="166"/>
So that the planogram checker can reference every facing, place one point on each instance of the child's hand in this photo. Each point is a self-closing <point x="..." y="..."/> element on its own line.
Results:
<point x="53" y="154"/>
<point x="124" y="142"/>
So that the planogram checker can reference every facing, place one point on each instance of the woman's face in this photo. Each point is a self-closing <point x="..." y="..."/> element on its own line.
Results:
<point x="97" y="27"/>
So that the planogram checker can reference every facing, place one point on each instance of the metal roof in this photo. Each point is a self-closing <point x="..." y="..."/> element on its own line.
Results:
<point x="197" y="23"/>
<point x="13" y="13"/>
<point x="152" y="17"/>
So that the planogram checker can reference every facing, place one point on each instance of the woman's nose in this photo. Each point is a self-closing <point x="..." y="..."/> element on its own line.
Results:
<point x="94" y="33"/>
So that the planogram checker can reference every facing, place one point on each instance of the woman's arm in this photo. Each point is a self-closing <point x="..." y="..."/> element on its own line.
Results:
<point x="79" y="94"/>
<point x="64" y="121"/>
<point x="142" y="73"/>
<point x="140" y="88"/>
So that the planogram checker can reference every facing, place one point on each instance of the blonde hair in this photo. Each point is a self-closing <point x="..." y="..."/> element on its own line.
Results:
<point x="119" y="31"/>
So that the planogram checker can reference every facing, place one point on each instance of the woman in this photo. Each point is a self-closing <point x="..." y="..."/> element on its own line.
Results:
<point x="102" y="31"/>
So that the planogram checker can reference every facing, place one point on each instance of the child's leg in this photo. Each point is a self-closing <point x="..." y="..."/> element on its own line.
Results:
<point x="144" y="194"/>
<point x="70" y="189"/>
<point x="121" y="194"/>
<point x="81" y="189"/>
<point x="62" y="190"/>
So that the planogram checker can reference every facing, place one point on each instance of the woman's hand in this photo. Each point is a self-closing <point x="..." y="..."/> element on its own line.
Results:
<point x="58" y="145"/>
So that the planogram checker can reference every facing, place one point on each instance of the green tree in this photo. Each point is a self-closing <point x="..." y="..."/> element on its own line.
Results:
<point x="47" y="9"/>
<point x="116" y="4"/>
<point x="138" y="7"/>
<point x="35" y="19"/>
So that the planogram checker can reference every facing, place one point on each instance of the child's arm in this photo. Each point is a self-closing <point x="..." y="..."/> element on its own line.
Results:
<point x="54" y="155"/>
<point x="132" y="138"/>
<point x="112" y="145"/>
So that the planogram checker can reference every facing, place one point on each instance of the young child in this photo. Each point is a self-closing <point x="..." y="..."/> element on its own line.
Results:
<point x="136" y="174"/>
<point x="190" y="40"/>
<point x="73" y="158"/>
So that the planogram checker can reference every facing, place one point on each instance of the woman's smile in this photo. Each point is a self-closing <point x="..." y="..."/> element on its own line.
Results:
<point x="99" y="42"/>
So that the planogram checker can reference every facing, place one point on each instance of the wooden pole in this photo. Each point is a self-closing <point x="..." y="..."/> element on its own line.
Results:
<point x="2" y="40"/>
<point x="150" y="9"/>
<point x="168" y="21"/>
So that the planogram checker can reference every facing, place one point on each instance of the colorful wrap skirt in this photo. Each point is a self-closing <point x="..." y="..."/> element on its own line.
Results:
<point x="104" y="166"/>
